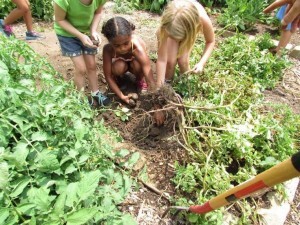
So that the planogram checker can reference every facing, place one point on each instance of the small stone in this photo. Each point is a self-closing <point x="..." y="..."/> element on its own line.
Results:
<point x="295" y="53"/>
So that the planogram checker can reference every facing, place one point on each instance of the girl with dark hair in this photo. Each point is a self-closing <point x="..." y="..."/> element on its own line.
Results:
<point x="125" y="52"/>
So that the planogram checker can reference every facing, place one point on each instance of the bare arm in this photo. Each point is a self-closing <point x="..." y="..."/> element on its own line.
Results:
<point x="95" y="23"/>
<point x="142" y="57"/>
<point x="107" y="63"/>
<point x="209" y="37"/>
<point x="60" y="18"/>
<point x="161" y="63"/>
<point x="292" y="16"/>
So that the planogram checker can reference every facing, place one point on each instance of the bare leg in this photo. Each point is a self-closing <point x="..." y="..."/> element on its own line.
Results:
<point x="136" y="69"/>
<point x="28" y="18"/>
<point x="80" y="70"/>
<point x="172" y="58"/>
<point x="284" y="40"/>
<point x="118" y="68"/>
<point x="90" y="62"/>
<point x="22" y="9"/>
<point x="183" y="62"/>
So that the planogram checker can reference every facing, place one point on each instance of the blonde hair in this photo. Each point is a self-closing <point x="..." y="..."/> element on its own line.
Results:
<point x="180" y="21"/>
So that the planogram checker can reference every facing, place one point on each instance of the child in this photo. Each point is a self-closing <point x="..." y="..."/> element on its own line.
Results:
<point x="286" y="31"/>
<point x="181" y="22"/>
<point x="125" y="52"/>
<point x="75" y="25"/>
<point x="22" y="10"/>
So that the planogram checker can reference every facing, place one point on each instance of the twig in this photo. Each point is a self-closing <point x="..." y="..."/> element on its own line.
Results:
<point x="206" y="166"/>
<point x="207" y="127"/>
<point x="155" y="190"/>
<point x="140" y="210"/>
<point x="206" y="108"/>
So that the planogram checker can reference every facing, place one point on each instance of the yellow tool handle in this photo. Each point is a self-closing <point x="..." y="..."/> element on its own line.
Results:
<point x="283" y="171"/>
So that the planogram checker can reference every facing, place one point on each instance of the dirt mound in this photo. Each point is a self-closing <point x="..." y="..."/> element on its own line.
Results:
<point x="140" y="128"/>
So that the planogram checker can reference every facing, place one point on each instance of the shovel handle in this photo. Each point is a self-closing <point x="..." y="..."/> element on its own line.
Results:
<point x="279" y="173"/>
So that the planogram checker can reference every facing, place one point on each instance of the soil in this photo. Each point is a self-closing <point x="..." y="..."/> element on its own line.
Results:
<point x="158" y="146"/>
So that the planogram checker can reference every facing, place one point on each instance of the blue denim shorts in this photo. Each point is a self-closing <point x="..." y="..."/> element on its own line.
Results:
<point x="72" y="46"/>
<point x="280" y="14"/>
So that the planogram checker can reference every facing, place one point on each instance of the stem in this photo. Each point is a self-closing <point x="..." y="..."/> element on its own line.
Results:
<point x="14" y="208"/>
<point x="206" y="165"/>
<point x="207" y="108"/>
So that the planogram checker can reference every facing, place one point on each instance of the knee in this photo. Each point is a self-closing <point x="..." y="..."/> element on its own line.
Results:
<point x="91" y="67"/>
<point x="171" y="64"/>
<point x="183" y="63"/>
<point x="119" y="68"/>
<point x="80" y="70"/>
<point x="24" y="8"/>
<point x="136" y="68"/>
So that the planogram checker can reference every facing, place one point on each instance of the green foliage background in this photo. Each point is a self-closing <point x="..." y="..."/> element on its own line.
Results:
<point x="56" y="160"/>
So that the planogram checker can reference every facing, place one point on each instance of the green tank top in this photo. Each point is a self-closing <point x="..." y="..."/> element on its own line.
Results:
<point x="78" y="14"/>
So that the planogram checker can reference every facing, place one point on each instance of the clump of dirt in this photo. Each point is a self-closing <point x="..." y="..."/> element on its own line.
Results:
<point x="141" y="128"/>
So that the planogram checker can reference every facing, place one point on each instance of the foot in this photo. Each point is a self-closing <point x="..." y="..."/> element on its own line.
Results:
<point x="100" y="99"/>
<point x="32" y="35"/>
<point x="142" y="86"/>
<point x="6" y="29"/>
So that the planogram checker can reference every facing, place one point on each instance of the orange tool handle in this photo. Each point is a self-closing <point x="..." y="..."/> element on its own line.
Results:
<point x="279" y="173"/>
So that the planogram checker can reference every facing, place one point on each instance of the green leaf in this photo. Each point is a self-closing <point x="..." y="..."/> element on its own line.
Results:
<point x="71" y="194"/>
<point x="83" y="158"/>
<point x="39" y="136"/>
<point x="88" y="184"/>
<point x="3" y="175"/>
<point x="4" y="213"/>
<point x="47" y="161"/>
<point x="107" y="204"/>
<point x="133" y="159"/>
<point x="193" y="218"/>
<point x="20" y="187"/>
<point x="32" y="221"/>
<point x="21" y="152"/>
<point x="82" y="216"/>
<point x="73" y="153"/>
<point x="127" y="184"/>
<point x="12" y="219"/>
<point x="40" y="197"/>
<point x="53" y="222"/>
<point x="80" y="130"/>
<point x="70" y="169"/>
<point x="25" y="208"/>
<point x="60" y="204"/>
<point x="128" y="219"/>
<point x="122" y="153"/>
<point x="17" y="119"/>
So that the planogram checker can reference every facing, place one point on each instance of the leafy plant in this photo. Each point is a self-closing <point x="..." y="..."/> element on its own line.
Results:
<point x="227" y="131"/>
<point x="123" y="113"/>
<point x="210" y="3"/>
<point x="55" y="160"/>
<point x="241" y="14"/>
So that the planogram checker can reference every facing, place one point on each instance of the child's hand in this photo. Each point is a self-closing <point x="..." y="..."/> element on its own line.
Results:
<point x="86" y="41"/>
<point x="198" y="68"/>
<point x="96" y="38"/>
<point x="159" y="118"/>
<point x="126" y="99"/>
